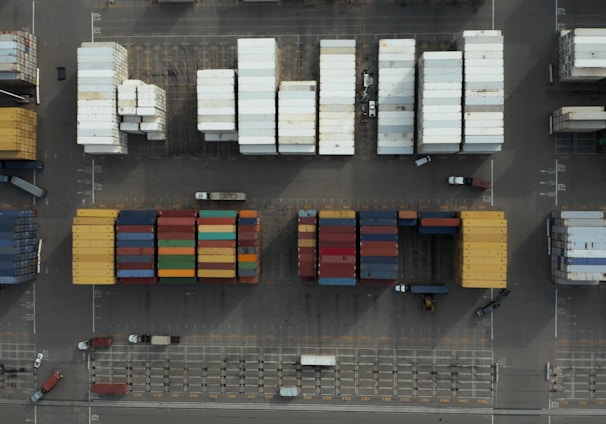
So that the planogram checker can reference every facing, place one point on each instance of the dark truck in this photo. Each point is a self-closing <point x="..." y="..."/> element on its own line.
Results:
<point x="425" y="290"/>
<point x="96" y="342"/>
<point x="21" y="164"/>
<point x="475" y="182"/>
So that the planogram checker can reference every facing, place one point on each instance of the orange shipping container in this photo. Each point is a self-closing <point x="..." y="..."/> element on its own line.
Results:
<point x="216" y="273"/>
<point x="407" y="214"/>
<point x="249" y="280"/>
<point x="247" y="258"/>
<point x="176" y="273"/>
<point x="248" y="214"/>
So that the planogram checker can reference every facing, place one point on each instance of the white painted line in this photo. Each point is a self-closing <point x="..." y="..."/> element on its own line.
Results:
<point x="37" y="86"/>
<point x="556" y="311"/>
<point x="491" y="182"/>
<point x="550" y="73"/>
<point x="556" y="182"/>
<point x="550" y="124"/>
<point x="491" y="318"/>
<point x="547" y="369"/>
<point x="39" y="254"/>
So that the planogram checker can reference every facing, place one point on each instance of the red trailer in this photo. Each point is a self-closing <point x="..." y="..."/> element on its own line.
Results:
<point x="116" y="389"/>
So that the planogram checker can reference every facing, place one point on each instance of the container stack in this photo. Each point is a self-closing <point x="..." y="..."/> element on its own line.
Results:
<point x="18" y="133"/>
<point x="481" y="250"/>
<point x="18" y="246"/>
<point x="337" y="97"/>
<point x="257" y="85"/>
<point x="93" y="246"/>
<point x="439" y="109"/>
<point x="379" y="247"/>
<point x="136" y="247"/>
<point x="582" y="55"/>
<point x="579" y="119"/>
<point x="484" y="95"/>
<point x="217" y="246"/>
<point x="396" y="122"/>
<point x="297" y="118"/>
<point x="177" y="246"/>
<point x="216" y="90"/>
<point x="143" y="109"/>
<point x="307" y="250"/>
<point x="438" y="222"/>
<point x="249" y="247"/>
<point x="407" y="218"/>
<point x="338" y="252"/>
<point x="102" y="67"/>
<point x="578" y="247"/>
<point x="18" y="58"/>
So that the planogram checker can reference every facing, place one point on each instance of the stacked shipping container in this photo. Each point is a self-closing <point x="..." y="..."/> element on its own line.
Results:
<point x="484" y="95"/>
<point x="407" y="218"/>
<point x="101" y="68"/>
<point x="217" y="246"/>
<point x="438" y="222"/>
<point x="439" y="107"/>
<point x="18" y="133"/>
<point x="177" y="246"/>
<point x="337" y="97"/>
<point x="481" y="255"/>
<point x="578" y="247"/>
<point x="338" y="252"/>
<point x="143" y="109"/>
<point x="18" y="58"/>
<point x="249" y="247"/>
<point x="579" y="119"/>
<point x="297" y="118"/>
<point x="307" y="251"/>
<point x="216" y="90"/>
<point x="396" y="122"/>
<point x="136" y="247"/>
<point x="582" y="55"/>
<point x="93" y="244"/>
<point x="378" y="247"/>
<point x="18" y="246"/>
<point x="257" y="85"/>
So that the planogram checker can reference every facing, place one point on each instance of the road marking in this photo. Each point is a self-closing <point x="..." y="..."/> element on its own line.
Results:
<point x="555" y="312"/>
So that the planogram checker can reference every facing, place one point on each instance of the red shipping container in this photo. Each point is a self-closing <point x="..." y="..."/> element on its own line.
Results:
<point x="216" y="221"/>
<point x="177" y="228"/>
<point x="176" y="236"/>
<point x="176" y="221"/>
<point x="216" y="243"/>
<point x="337" y="251"/>
<point x="179" y="213"/>
<point x="307" y="270"/>
<point x="379" y="244"/>
<point x="248" y="236"/>
<point x="135" y="265"/>
<point x="440" y="222"/>
<point x="144" y="280"/>
<point x="216" y="265"/>
<point x="135" y="228"/>
<point x="407" y="214"/>
<point x="249" y="243"/>
<point x="249" y="228"/>
<point x="307" y="250"/>
<point x="336" y="271"/>
<point x="327" y="259"/>
<point x="337" y="229"/>
<point x="135" y="251"/>
<point x="338" y="237"/>
<point x="337" y="244"/>
<point x="307" y="236"/>
<point x="307" y="220"/>
<point x="369" y="282"/>
<point x="369" y="229"/>
<point x="378" y="252"/>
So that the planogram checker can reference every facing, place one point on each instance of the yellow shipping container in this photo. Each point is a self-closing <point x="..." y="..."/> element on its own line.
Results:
<point x="217" y="258"/>
<point x="93" y="236"/>
<point x="93" y="250"/>
<point x="82" y="243"/>
<point x="484" y="223"/>
<point x="482" y="284"/>
<point x="100" y="281"/>
<point x="481" y="214"/>
<point x="78" y="220"/>
<point x="216" y="250"/>
<point x="93" y="229"/>
<point x="482" y="267"/>
<point x="306" y="243"/>
<point x="475" y="260"/>
<point x="483" y="253"/>
<point x="176" y="273"/>
<point x="484" y="230"/>
<point x="482" y="245"/>
<point x="478" y="238"/>
<point x="337" y="214"/>
<point x="99" y="258"/>
<point x="484" y="275"/>
<point x="100" y="213"/>
<point x="93" y="273"/>
<point x="306" y="228"/>
<point x="217" y="273"/>
<point x="216" y="228"/>
<point x="82" y="266"/>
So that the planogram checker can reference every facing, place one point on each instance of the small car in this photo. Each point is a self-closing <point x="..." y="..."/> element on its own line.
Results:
<point x="37" y="396"/>
<point x="372" y="109"/>
<point x="422" y="161"/>
<point x="38" y="361"/>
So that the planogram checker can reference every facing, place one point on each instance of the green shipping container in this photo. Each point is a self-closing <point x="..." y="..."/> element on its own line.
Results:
<point x="217" y="214"/>
<point x="176" y="243"/>
<point x="177" y="280"/>
<point x="216" y="236"/>
<point x="247" y="265"/>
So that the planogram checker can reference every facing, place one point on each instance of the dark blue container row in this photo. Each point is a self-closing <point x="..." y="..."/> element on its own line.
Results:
<point x="17" y="279"/>
<point x="364" y="260"/>
<point x="407" y="222"/>
<point x="135" y="273"/>
<point x="436" y="214"/>
<point x="135" y="236"/>
<point x="378" y="214"/>
<point x="17" y="272"/>
<point x="19" y="243"/>
<point x="17" y="264"/>
<point x="581" y="261"/>
<point x="337" y="281"/>
<point x="248" y="221"/>
<point x="14" y="213"/>
<point x="135" y="243"/>
<point x="248" y="250"/>
<point x="6" y="220"/>
<point x="388" y="222"/>
<point x="136" y="221"/>
<point x="330" y="222"/>
<point x="438" y="230"/>
<point x="12" y="250"/>
<point x="378" y="267"/>
<point x="19" y="257"/>
<point x="135" y="258"/>
<point x="309" y="213"/>
<point x="378" y="275"/>
<point x="17" y="228"/>
<point x="17" y="236"/>
<point x="247" y="272"/>
<point x="378" y="237"/>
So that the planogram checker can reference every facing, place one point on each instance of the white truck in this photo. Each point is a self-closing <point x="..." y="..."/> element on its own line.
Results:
<point x="154" y="340"/>
<point x="220" y="195"/>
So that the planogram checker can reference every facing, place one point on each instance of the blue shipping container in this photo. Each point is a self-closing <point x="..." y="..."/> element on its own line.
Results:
<point x="436" y="214"/>
<point x="135" y="273"/>
<point x="379" y="267"/>
<point x="247" y="272"/>
<point x="365" y="260"/>
<point x="248" y="221"/>
<point x="378" y="237"/>
<point x="135" y="243"/>
<point x="248" y="250"/>
<point x="388" y="222"/>
<point x="582" y="261"/>
<point x="379" y="275"/>
<point x="8" y="212"/>
<point x="337" y="281"/>
<point x="135" y="236"/>
<point x="407" y="222"/>
<point x="379" y="214"/>
<point x="438" y="230"/>
<point x="307" y="213"/>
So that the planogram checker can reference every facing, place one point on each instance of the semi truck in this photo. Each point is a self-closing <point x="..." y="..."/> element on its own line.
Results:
<point x="116" y="389"/>
<point x="23" y="185"/>
<point x="220" y="195"/>
<point x="95" y="342"/>
<point x="154" y="340"/>
<point x="47" y="386"/>
<point x="318" y="360"/>
<point x="21" y="164"/>
<point x="474" y="182"/>
<point x="427" y="291"/>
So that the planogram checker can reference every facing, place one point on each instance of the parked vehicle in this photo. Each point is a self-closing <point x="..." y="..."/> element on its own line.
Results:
<point x="27" y="186"/>
<point x="96" y="342"/>
<point x="37" y="396"/>
<point x="475" y="182"/>
<point x="490" y="307"/>
<point x="51" y="382"/>
<point x="117" y="389"/>
<point x="154" y="340"/>
<point x="21" y="164"/>
<point x="38" y="360"/>
<point x="422" y="161"/>
<point x="289" y="392"/>
<point x="427" y="291"/>
<point x="220" y="195"/>
<point x="372" y="109"/>
<point x="5" y="178"/>
<point x="319" y="360"/>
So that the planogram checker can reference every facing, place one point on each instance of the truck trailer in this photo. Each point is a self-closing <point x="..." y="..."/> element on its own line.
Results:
<point x="116" y="389"/>
<point x="154" y="340"/>
<point x="95" y="342"/>
<point x="474" y="182"/>
<point x="220" y="195"/>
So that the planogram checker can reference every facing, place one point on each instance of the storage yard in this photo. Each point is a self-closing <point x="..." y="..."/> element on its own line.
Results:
<point x="239" y="187"/>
